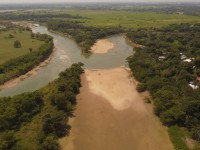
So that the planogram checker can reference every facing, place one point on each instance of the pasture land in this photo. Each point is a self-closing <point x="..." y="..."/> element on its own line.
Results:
<point x="130" y="19"/>
<point x="7" y="50"/>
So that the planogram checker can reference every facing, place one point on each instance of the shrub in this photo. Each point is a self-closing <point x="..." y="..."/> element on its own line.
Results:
<point x="141" y="87"/>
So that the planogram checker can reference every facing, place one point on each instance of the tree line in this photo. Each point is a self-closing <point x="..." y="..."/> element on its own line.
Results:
<point x="18" y="66"/>
<point x="52" y="105"/>
<point x="35" y="16"/>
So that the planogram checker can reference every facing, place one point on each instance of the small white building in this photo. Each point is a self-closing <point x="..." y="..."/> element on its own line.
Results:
<point x="36" y="25"/>
<point x="183" y="57"/>
<point x="2" y="27"/>
<point x="193" y="86"/>
<point x="187" y="60"/>
<point x="161" y="57"/>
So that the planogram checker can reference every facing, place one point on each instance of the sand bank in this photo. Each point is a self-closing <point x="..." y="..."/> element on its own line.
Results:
<point x="112" y="85"/>
<point x="102" y="46"/>
<point x="111" y="115"/>
<point x="15" y="81"/>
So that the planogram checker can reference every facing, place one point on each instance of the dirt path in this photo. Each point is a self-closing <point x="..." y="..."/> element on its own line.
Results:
<point x="102" y="46"/>
<point x="111" y="115"/>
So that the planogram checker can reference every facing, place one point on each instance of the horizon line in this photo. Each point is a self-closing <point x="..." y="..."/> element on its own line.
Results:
<point x="149" y="2"/>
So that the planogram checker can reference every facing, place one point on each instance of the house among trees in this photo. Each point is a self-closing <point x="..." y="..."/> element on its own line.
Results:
<point x="193" y="85"/>
<point x="161" y="58"/>
<point x="187" y="60"/>
<point x="2" y="27"/>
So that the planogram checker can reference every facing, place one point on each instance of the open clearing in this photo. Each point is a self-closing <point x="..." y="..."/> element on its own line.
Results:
<point x="111" y="115"/>
<point x="7" y="50"/>
<point x="131" y="19"/>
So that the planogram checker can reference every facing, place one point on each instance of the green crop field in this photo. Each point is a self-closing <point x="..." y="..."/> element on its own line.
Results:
<point x="7" y="50"/>
<point x="131" y="19"/>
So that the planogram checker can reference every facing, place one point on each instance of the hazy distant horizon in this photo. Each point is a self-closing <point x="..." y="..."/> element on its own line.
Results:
<point x="100" y="1"/>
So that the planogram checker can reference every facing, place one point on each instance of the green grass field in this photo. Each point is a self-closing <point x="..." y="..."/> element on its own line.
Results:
<point x="7" y="50"/>
<point x="131" y="19"/>
<point x="178" y="138"/>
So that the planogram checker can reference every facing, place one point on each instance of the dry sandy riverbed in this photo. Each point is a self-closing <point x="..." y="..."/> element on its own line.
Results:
<point x="102" y="46"/>
<point x="111" y="115"/>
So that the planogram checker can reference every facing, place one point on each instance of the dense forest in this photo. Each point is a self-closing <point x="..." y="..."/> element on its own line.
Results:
<point x="85" y="36"/>
<point x="50" y="107"/>
<point x="169" y="66"/>
<point x="18" y="66"/>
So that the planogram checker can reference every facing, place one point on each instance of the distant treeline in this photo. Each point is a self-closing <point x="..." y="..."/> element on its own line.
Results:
<point x="85" y="36"/>
<point x="34" y="16"/>
<point x="168" y="63"/>
<point x="169" y="8"/>
<point x="44" y="113"/>
<point x="18" y="66"/>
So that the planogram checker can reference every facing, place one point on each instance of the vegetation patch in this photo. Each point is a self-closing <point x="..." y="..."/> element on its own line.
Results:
<point x="9" y="44"/>
<point x="39" y="118"/>
<point x="168" y="66"/>
<point x="178" y="138"/>
<point x="18" y="66"/>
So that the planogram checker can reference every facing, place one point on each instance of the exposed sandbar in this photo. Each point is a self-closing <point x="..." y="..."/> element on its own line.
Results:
<point x="112" y="115"/>
<point x="102" y="46"/>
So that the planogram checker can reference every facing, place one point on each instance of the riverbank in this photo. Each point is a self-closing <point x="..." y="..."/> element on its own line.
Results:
<point x="133" y="43"/>
<point x="111" y="114"/>
<point x="15" y="81"/>
<point x="102" y="46"/>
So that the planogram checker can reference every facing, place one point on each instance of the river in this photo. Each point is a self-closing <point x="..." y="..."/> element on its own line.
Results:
<point x="68" y="52"/>
<point x="117" y="117"/>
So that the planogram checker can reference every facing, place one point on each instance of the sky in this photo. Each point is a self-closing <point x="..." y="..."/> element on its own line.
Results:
<point x="69" y="1"/>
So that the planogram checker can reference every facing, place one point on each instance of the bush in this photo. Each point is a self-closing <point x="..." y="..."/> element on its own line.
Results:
<point x="50" y="143"/>
<point x="17" y="44"/>
<point x="196" y="133"/>
<point x="141" y="87"/>
<point x="7" y="140"/>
